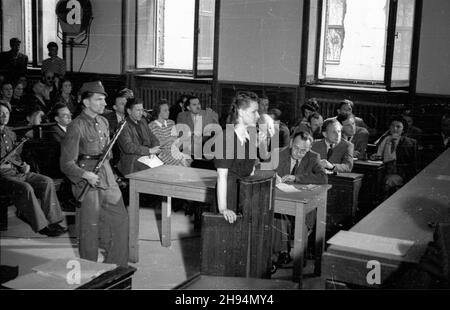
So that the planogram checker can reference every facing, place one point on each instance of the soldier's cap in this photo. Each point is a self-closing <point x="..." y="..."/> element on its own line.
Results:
<point x="15" y="40"/>
<point x="5" y="104"/>
<point x="93" y="87"/>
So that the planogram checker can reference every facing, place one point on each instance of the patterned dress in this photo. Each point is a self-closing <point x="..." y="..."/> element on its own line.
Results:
<point x="167" y="135"/>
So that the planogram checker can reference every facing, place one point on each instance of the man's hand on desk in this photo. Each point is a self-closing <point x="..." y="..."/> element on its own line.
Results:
<point x="326" y="164"/>
<point x="155" y="150"/>
<point x="288" y="179"/>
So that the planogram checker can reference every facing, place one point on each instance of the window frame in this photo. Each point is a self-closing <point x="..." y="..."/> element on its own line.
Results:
<point x="387" y="83"/>
<point x="195" y="72"/>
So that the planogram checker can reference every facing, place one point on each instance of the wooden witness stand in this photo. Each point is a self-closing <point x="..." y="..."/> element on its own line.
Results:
<point x="199" y="185"/>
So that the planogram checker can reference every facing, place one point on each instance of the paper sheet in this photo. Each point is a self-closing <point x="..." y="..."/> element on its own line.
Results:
<point x="393" y="246"/>
<point x="375" y="161"/>
<point x="287" y="188"/>
<point x="152" y="161"/>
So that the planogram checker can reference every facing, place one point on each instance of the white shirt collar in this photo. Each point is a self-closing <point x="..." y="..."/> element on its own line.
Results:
<point x="242" y="134"/>
<point x="62" y="127"/>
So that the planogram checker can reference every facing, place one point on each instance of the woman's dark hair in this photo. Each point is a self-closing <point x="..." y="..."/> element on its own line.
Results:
<point x="311" y="105"/>
<point x="157" y="108"/>
<point x="241" y="101"/>
<point x="399" y="118"/>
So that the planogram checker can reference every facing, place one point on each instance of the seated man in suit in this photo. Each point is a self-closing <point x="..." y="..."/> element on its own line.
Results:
<point x="62" y="116"/>
<point x="359" y="136"/>
<point x="296" y="164"/>
<point x="346" y="107"/>
<point x="33" y="194"/>
<point x="399" y="154"/>
<point x="336" y="153"/>
<point x="116" y="116"/>
<point x="196" y="119"/>
<point x="136" y="139"/>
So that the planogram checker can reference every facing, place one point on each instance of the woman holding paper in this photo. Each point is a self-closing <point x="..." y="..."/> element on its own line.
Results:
<point x="136" y="140"/>
<point x="165" y="131"/>
<point x="232" y="167"/>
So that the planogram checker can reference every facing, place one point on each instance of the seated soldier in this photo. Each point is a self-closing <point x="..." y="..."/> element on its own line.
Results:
<point x="399" y="154"/>
<point x="136" y="139"/>
<point x="296" y="164"/>
<point x="359" y="136"/>
<point x="313" y="126"/>
<point x="34" y="195"/>
<point x="336" y="153"/>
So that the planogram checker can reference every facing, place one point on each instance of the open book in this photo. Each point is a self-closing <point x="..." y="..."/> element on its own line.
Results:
<point x="152" y="161"/>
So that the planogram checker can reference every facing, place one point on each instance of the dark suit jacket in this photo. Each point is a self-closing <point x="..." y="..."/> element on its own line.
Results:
<point x="308" y="172"/>
<point x="112" y="120"/>
<point x="208" y="117"/>
<point x="360" y="140"/>
<point x="12" y="67"/>
<point x="56" y="133"/>
<point x="342" y="156"/>
<point x="406" y="163"/>
<point x="174" y="111"/>
<point x="132" y="147"/>
<point x="33" y="102"/>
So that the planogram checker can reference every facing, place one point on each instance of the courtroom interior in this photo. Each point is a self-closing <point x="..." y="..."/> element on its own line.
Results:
<point x="224" y="144"/>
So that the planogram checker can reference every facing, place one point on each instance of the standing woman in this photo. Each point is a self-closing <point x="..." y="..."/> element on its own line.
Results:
<point x="66" y="96"/>
<point x="243" y="116"/>
<point x="164" y="129"/>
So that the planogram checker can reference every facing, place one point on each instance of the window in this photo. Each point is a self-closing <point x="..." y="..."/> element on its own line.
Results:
<point x="175" y="36"/>
<point x="365" y="41"/>
<point x="40" y="28"/>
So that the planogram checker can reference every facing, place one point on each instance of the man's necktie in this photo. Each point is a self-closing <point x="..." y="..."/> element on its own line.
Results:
<point x="330" y="151"/>
<point x="297" y="163"/>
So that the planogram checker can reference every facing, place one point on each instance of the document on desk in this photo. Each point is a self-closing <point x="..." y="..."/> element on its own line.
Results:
<point x="152" y="161"/>
<point x="287" y="188"/>
<point x="366" y="242"/>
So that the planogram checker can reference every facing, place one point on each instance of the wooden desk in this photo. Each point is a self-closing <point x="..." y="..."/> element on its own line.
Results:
<point x="405" y="215"/>
<point x="371" y="192"/>
<point x="342" y="202"/>
<point x="200" y="185"/>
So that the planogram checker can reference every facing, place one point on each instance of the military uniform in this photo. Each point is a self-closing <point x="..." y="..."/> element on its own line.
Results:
<point x="34" y="195"/>
<point x="102" y="214"/>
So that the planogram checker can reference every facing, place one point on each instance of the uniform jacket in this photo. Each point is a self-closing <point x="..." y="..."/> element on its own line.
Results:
<point x="86" y="136"/>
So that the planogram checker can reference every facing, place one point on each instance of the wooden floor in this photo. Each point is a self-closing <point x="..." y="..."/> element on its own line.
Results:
<point x="158" y="268"/>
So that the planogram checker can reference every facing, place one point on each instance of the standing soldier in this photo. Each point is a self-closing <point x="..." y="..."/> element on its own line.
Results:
<point x="102" y="217"/>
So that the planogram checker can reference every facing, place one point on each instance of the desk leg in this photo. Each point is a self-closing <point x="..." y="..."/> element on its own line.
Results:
<point x="165" y="221"/>
<point x="300" y="242"/>
<point x="321" y="225"/>
<point x="133" y="217"/>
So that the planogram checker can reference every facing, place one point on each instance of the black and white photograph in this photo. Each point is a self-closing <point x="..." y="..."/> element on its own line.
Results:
<point x="225" y="151"/>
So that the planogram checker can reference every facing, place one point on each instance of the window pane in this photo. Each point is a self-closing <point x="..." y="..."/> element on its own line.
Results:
<point x="28" y="33"/>
<point x="403" y="40"/>
<point x="176" y="34"/>
<point x="206" y="35"/>
<point x="145" y="41"/>
<point x="353" y="47"/>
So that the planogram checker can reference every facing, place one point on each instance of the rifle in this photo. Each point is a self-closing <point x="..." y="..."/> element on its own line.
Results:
<point x="7" y="157"/>
<point x="102" y="159"/>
